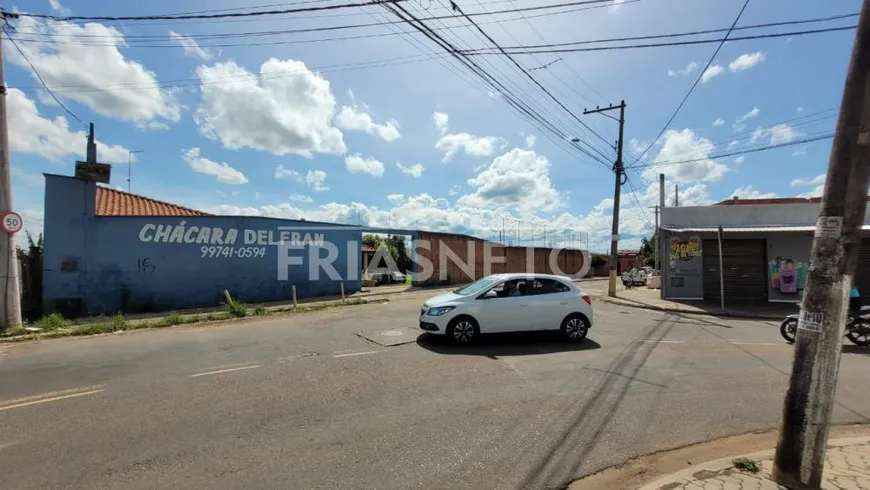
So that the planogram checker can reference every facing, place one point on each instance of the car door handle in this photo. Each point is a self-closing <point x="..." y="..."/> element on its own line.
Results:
<point x="563" y="302"/>
<point x="524" y="304"/>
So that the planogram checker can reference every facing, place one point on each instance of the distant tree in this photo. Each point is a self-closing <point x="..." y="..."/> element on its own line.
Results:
<point x="396" y="247"/>
<point x="647" y="250"/>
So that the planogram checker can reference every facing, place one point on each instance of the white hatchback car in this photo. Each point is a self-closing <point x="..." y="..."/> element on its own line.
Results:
<point x="509" y="303"/>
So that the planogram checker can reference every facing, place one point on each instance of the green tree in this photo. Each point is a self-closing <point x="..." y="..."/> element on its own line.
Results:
<point x="647" y="250"/>
<point x="396" y="247"/>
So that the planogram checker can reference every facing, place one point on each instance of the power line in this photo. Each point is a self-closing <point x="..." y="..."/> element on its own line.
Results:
<point x="533" y="79"/>
<point x="738" y="152"/>
<point x="759" y="132"/>
<point x="221" y="15"/>
<point x="293" y="10"/>
<point x="524" y="50"/>
<point x="697" y="80"/>
<point x="499" y="87"/>
<point x="39" y="77"/>
<point x="689" y="33"/>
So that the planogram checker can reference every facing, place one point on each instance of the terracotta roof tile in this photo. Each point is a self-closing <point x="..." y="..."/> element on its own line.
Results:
<point x="111" y="202"/>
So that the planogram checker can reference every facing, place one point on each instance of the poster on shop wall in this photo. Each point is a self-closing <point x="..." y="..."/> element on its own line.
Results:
<point x="788" y="276"/>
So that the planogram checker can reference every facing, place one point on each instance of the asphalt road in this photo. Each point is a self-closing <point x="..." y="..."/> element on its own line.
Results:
<point x="305" y="402"/>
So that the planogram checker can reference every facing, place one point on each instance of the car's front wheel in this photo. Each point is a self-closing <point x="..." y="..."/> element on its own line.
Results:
<point x="575" y="327"/>
<point x="463" y="330"/>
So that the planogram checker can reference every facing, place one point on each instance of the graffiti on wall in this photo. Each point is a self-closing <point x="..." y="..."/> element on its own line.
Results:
<point x="787" y="275"/>
<point x="686" y="249"/>
<point x="218" y="242"/>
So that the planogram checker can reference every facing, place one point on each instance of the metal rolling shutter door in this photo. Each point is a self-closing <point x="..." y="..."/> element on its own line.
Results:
<point x="745" y="273"/>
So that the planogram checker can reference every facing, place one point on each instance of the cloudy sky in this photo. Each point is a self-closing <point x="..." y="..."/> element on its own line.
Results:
<point x="300" y="116"/>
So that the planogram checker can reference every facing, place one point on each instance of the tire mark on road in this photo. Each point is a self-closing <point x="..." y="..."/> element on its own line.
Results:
<point x="561" y="461"/>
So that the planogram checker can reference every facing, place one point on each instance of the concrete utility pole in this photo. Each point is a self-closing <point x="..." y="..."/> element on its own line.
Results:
<point x="659" y="246"/>
<point x="618" y="170"/>
<point x="8" y="259"/>
<point x="656" y="238"/>
<point x="800" y="452"/>
<point x="676" y="195"/>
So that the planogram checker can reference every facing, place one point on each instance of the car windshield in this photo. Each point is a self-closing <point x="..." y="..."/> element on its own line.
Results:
<point x="478" y="286"/>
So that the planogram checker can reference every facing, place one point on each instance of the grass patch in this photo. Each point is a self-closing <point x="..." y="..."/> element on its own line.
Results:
<point x="236" y="308"/>
<point x="170" y="320"/>
<point x="746" y="464"/>
<point x="51" y="322"/>
<point x="13" y="331"/>
<point x="118" y="323"/>
<point x="260" y="310"/>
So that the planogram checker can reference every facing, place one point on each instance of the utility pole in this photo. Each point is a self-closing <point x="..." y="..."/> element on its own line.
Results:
<point x="618" y="170"/>
<point x="803" y="437"/>
<point x="676" y="195"/>
<point x="656" y="238"/>
<point x="8" y="259"/>
<point x="659" y="247"/>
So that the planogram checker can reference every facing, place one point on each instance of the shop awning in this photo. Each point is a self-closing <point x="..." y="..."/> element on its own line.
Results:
<point x="744" y="229"/>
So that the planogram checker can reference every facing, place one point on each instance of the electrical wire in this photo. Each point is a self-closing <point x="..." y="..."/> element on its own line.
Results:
<point x="637" y="201"/>
<point x="508" y="96"/>
<point x="691" y="33"/>
<point x="697" y="81"/>
<point x="39" y="77"/>
<point x="289" y="11"/>
<point x="220" y="15"/>
<point x="762" y="131"/>
<point x="524" y="50"/>
<point x="809" y="139"/>
<point x="533" y="79"/>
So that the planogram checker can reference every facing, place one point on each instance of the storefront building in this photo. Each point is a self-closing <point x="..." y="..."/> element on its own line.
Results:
<point x="766" y="247"/>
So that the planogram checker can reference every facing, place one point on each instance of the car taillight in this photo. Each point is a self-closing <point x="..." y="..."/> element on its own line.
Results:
<point x="587" y="299"/>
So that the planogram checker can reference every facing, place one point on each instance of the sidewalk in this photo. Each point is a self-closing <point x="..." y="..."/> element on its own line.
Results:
<point x="847" y="466"/>
<point x="649" y="299"/>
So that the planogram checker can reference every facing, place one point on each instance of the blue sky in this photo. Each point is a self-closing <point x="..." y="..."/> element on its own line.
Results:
<point x="387" y="130"/>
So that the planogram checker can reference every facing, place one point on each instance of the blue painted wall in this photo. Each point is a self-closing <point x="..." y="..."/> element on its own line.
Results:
<point x="161" y="263"/>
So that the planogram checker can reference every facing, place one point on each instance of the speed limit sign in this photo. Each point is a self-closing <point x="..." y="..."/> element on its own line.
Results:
<point x="11" y="222"/>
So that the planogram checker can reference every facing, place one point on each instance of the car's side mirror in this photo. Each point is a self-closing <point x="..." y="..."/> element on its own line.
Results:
<point x="490" y="294"/>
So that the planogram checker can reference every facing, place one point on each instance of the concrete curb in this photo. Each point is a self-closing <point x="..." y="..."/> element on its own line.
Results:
<point x="726" y="463"/>
<point x="723" y="314"/>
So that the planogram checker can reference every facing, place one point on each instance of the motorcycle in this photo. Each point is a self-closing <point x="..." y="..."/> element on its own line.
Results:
<point x="857" y="327"/>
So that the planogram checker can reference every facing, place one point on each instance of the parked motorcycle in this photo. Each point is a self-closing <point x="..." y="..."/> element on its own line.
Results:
<point x="857" y="328"/>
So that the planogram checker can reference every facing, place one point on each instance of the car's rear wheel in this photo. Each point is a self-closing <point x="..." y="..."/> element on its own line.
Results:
<point x="575" y="327"/>
<point x="463" y="330"/>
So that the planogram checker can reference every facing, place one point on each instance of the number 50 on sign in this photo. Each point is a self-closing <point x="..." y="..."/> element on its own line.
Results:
<point x="11" y="222"/>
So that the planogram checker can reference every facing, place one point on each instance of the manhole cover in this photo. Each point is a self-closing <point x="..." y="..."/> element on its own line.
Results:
<point x="394" y="336"/>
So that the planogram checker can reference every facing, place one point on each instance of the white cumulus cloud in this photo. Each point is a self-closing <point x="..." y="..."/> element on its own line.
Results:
<point x="746" y="61"/>
<point x="718" y="122"/>
<point x="282" y="172"/>
<point x="685" y="157"/>
<point x="470" y="144"/>
<point x="316" y="180"/>
<point x="221" y="170"/>
<point x="712" y="72"/>
<point x="530" y="141"/>
<point x="517" y="178"/>
<point x="415" y="170"/>
<point x="440" y="119"/>
<point x="782" y="133"/>
<point x="357" y="164"/>
<point x="748" y="192"/>
<point x="301" y="198"/>
<point x="31" y="133"/>
<point x="689" y="69"/>
<point x="82" y="71"/>
<point x="354" y="119"/>
<point x="285" y="109"/>
<point x="190" y="47"/>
